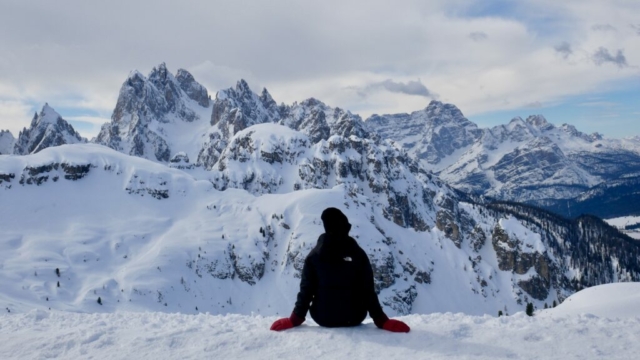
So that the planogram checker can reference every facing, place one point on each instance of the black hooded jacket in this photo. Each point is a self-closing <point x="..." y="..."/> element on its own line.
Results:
<point x="337" y="281"/>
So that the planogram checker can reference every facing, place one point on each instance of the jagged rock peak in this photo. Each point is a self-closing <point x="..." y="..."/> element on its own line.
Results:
<point x="444" y="111"/>
<point x="135" y="74"/>
<point x="517" y="121"/>
<point x="267" y="99"/>
<point x="235" y="109"/>
<point x="312" y="102"/>
<point x="145" y="105"/>
<point x="160" y="73"/>
<point x="47" y="115"/>
<point x="6" y="142"/>
<point x="537" y="120"/>
<point x="192" y="88"/>
<point x="47" y="129"/>
<point x="571" y="130"/>
<point x="243" y="87"/>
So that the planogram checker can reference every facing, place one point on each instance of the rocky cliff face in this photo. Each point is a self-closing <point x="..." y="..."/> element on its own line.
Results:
<point x="238" y="108"/>
<point x="147" y="107"/>
<point x="177" y="243"/>
<point x="7" y="142"/>
<point x="47" y="129"/>
<point x="430" y="135"/>
<point x="274" y="159"/>
<point x="192" y="88"/>
<point x="556" y="254"/>
<point x="525" y="160"/>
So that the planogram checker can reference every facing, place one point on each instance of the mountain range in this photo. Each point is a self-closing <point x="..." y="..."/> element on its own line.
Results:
<point x="528" y="160"/>
<point x="190" y="203"/>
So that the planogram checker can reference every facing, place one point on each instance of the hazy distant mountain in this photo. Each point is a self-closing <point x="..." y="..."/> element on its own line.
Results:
<point x="526" y="160"/>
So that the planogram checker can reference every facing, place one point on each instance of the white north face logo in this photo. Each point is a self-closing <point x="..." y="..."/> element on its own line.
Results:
<point x="347" y="259"/>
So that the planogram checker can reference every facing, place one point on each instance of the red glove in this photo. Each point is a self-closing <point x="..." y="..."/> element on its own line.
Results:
<point x="396" y="326"/>
<point x="287" y="323"/>
<point x="282" y="324"/>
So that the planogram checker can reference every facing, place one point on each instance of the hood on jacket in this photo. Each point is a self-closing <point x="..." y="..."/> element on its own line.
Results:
<point x="335" y="243"/>
<point x="335" y="222"/>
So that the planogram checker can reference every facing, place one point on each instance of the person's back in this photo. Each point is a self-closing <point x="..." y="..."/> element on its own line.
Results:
<point x="336" y="285"/>
<point x="339" y="269"/>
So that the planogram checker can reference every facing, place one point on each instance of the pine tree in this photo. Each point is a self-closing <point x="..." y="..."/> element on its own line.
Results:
<point x="530" y="309"/>
<point x="58" y="272"/>
<point x="58" y="283"/>
<point x="499" y="313"/>
<point x="99" y="300"/>
<point x="555" y="303"/>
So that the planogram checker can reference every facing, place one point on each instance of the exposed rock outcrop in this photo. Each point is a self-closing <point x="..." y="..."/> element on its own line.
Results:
<point x="47" y="129"/>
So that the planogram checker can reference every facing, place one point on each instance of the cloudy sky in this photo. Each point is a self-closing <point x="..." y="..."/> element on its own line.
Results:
<point x="574" y="61"/>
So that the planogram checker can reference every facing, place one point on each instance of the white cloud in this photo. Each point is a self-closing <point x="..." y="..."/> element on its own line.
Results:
<point x="603" y="27"/>
<point x="564" y="49"/>
<point x="75" y="54"/>
<point x="14" y="116"/>
<point x="87" y="126"/>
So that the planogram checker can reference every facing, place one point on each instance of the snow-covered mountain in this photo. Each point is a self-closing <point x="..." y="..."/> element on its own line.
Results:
<point x="525" y="160"/>
<point x="7" y="142"/>
<point x="237" y="108"/>
<point x="613" y="198"/>
<point x="47" y="129"/>
<point x="212" y="205"/>
<point x="85" y="222"/>
<point x="158" y="116"/>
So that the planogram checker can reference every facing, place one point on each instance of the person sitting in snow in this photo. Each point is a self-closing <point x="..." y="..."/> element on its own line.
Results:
<point x="337" y="282"/>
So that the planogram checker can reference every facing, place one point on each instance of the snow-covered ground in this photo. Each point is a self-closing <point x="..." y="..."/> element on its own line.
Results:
<point x="621" y="222"/>
<point x="560" y="333"/>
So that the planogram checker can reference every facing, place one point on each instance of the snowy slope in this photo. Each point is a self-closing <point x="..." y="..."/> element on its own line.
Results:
<point x="611" y="301"/>
<point x="142" y="236"/>
<point x="123" y="335"/>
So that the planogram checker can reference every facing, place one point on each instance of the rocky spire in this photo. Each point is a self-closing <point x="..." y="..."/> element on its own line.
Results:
<point x="7" y="142"/>
<point x="144" y="105"/>
<point x="235" y="109"/>
<point x="47" y="129"/>
<point x="192" y="88"/>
